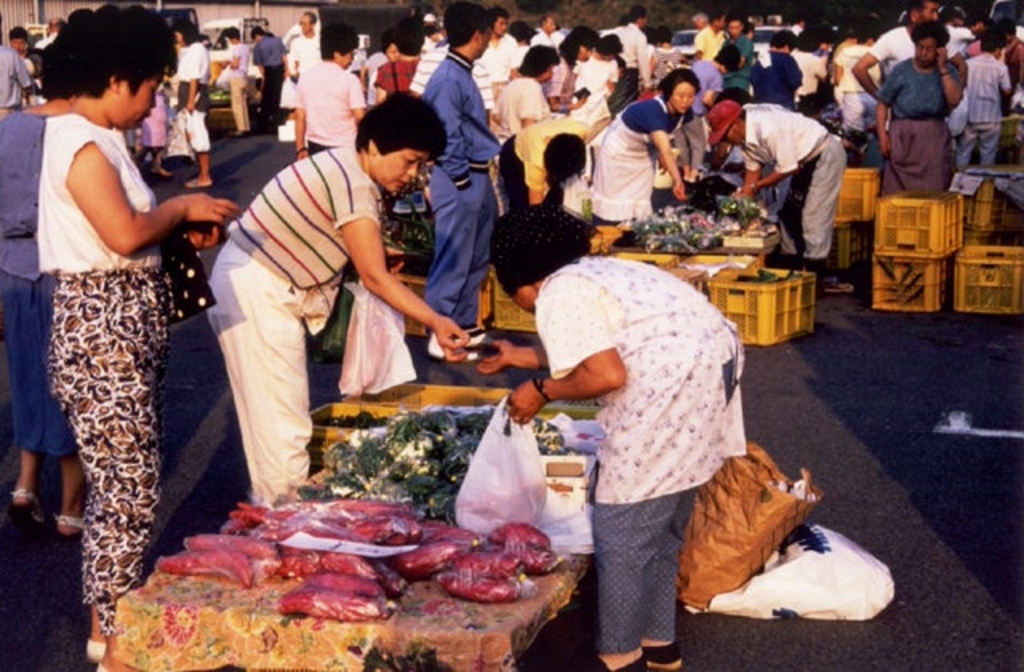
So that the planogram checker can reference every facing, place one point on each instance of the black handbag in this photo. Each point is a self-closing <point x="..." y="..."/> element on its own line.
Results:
<point x="190" y="291"/>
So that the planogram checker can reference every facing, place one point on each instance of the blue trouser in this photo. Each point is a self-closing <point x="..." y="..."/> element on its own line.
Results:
<point x="636" y="552"/>
<point x="463" y="221"/>
<point x="39" y="424"/>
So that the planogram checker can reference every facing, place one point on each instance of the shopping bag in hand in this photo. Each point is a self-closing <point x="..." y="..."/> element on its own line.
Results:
<point x="740" y="517"/>
<point x="505" y="480"/>
<point x="376" y="356"/>
<point x="177" y="137"/>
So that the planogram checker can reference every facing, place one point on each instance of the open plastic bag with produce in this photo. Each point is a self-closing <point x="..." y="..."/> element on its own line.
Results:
<point x="505" y="480"/>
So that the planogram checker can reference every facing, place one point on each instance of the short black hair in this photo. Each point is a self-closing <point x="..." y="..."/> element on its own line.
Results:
<point x="565" y="156"/>
<point x="256" y="31"/>
<point x="783" y="38"/>
<point x="462" y="20"/>
<point x="661" y="34"/>
<point x="388" y="126"/>
<point x="231" y="33"/>
<point x="930" y="29"/>
<point x="1006" y="27"/>
<point x="992" y="40"/>
<point x="729" y="57"/>
<point x="537" y="61"/>
<point x="495" y="13"/>
<point x="580" y="36"/>
<point x="130" y="45"/>
<point x="636" y="12"/>
<point x="188" y="30"/>
<point x="387" y="37"/>
<point x="337" y="38"/>
<point x="678" y="76"/>
<point x="17" y="33"/>
<point x="521" y="31"/>
<point x="409" y="36"/>
<point x="741" y="96"/>
<point x="609" y="45"/>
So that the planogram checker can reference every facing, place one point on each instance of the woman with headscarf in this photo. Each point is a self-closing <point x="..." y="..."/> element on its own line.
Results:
<point x="913" y="103"/>
<point x="635" y="142"/>
<point x="665" y="366"/>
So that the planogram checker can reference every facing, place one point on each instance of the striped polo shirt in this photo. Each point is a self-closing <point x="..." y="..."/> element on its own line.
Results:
<point x="292" y="226"/>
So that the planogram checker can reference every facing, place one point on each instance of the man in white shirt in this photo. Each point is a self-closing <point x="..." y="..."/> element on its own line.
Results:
<point x="548" y="35"/>
<point x="634" y="51"/>
<point x="895" y="45"/>
<point x="501" y="50"/>
<point x="304" y="50"/>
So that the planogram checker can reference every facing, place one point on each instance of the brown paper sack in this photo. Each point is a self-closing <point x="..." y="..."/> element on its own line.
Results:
<point x="740" y="517"/>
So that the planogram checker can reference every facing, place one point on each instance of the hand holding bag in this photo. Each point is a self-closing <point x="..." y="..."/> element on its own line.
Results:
<point x="190" y="290"/>
<point x="505" y="480"/>
<point x="376" y="356"/>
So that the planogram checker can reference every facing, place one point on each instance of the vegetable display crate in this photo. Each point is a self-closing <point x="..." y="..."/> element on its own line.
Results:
<point x="767" y="313"/>
<point x="919" y="221"/>
<point x="505" y="314"/>
<point x="419" y="285"/>
<point x="333" y="423"/>
<point x="989" y="280"/>
<point x="851" y="243"/>
<point x="858" y="194"/>
<point x="991" y="237"/>
<point x="909" y="283"/>
<point x="991" y="210"/>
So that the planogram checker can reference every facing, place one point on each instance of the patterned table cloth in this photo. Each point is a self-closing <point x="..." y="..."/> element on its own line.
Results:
<point x="201" y="623"/>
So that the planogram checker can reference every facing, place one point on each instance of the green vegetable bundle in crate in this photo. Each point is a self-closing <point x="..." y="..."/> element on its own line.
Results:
<point x="745" y="211"/>
<point x="676" y="230"/>
<point x="419" y="457"/>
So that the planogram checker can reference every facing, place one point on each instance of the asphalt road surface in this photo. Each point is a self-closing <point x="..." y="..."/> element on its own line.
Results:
<point x="856" y="403"/>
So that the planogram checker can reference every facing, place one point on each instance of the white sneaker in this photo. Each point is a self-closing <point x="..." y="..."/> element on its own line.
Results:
<point x="436" y="352"/>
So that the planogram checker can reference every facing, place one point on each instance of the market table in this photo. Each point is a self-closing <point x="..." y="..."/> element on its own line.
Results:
<point x="194" y="623"/>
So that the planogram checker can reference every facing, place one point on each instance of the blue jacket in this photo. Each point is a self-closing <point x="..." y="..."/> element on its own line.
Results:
<point x="777" y="84"/>
<point x="21" y="162"/>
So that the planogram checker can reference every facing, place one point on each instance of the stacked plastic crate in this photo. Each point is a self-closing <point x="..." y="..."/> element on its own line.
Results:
<point x="916" y="235"/>
<point x="989" y="270"/>
<point x="851" y="238"/>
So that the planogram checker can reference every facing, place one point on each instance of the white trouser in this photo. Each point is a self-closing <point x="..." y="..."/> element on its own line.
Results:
<point x="258" y="323"/>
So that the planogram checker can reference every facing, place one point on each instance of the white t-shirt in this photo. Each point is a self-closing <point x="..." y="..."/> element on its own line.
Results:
<point x="846" y="59"/>
<point x="813" y="70"/>
<point x="671" y="426"/>
<point x="776" y="136"/>
<point x="194" y="63"/>
<point x="959" y="39"/>
<point x="634" y="51"/>
<point x="329" y="95"/>
<point x="892" y="47"/>
<point x="542" y="39"/>
<point x="498" y="60"/>
<point x="68" y="242"/>
<point x="523" y="98"/>
<point x="304" y="53"/>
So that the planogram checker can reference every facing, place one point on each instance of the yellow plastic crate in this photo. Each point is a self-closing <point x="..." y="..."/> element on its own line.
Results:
<point x="919" y="221"/>
<point x="851" y="243"/>
<point x="991" y="237"/>
<point x="909" y="283"/>
<point x="505" y="314"/>
<point x="659" y="259"/>
<point x="990" y="210"/>
<point x="767" y="313"/>
<point x="858" y="194"/>
<point x="989" y="280"/>
<point x="419" y="285"/>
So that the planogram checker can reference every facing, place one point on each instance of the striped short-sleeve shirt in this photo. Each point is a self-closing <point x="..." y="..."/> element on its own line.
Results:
<point x="293" y="224"/>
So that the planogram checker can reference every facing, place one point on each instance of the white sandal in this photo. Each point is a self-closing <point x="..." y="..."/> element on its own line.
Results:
<point x="72" y="522"/>
<point x="27" y="517"/>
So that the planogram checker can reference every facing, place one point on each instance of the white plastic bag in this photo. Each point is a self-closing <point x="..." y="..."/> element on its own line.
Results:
<point x="957" y="119"/>
<point x="376" y="356"/>
<point x="505" y="480"/>
<point x="818" y="574"/>
<point x="177" y="137"/>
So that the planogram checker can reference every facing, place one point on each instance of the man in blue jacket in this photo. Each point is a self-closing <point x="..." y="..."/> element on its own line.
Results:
<point x="462" y="194"/>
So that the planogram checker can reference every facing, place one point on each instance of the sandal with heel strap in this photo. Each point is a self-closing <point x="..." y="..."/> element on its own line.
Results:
<point x="27" y="516"/>
<point x="74" y="522"/>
